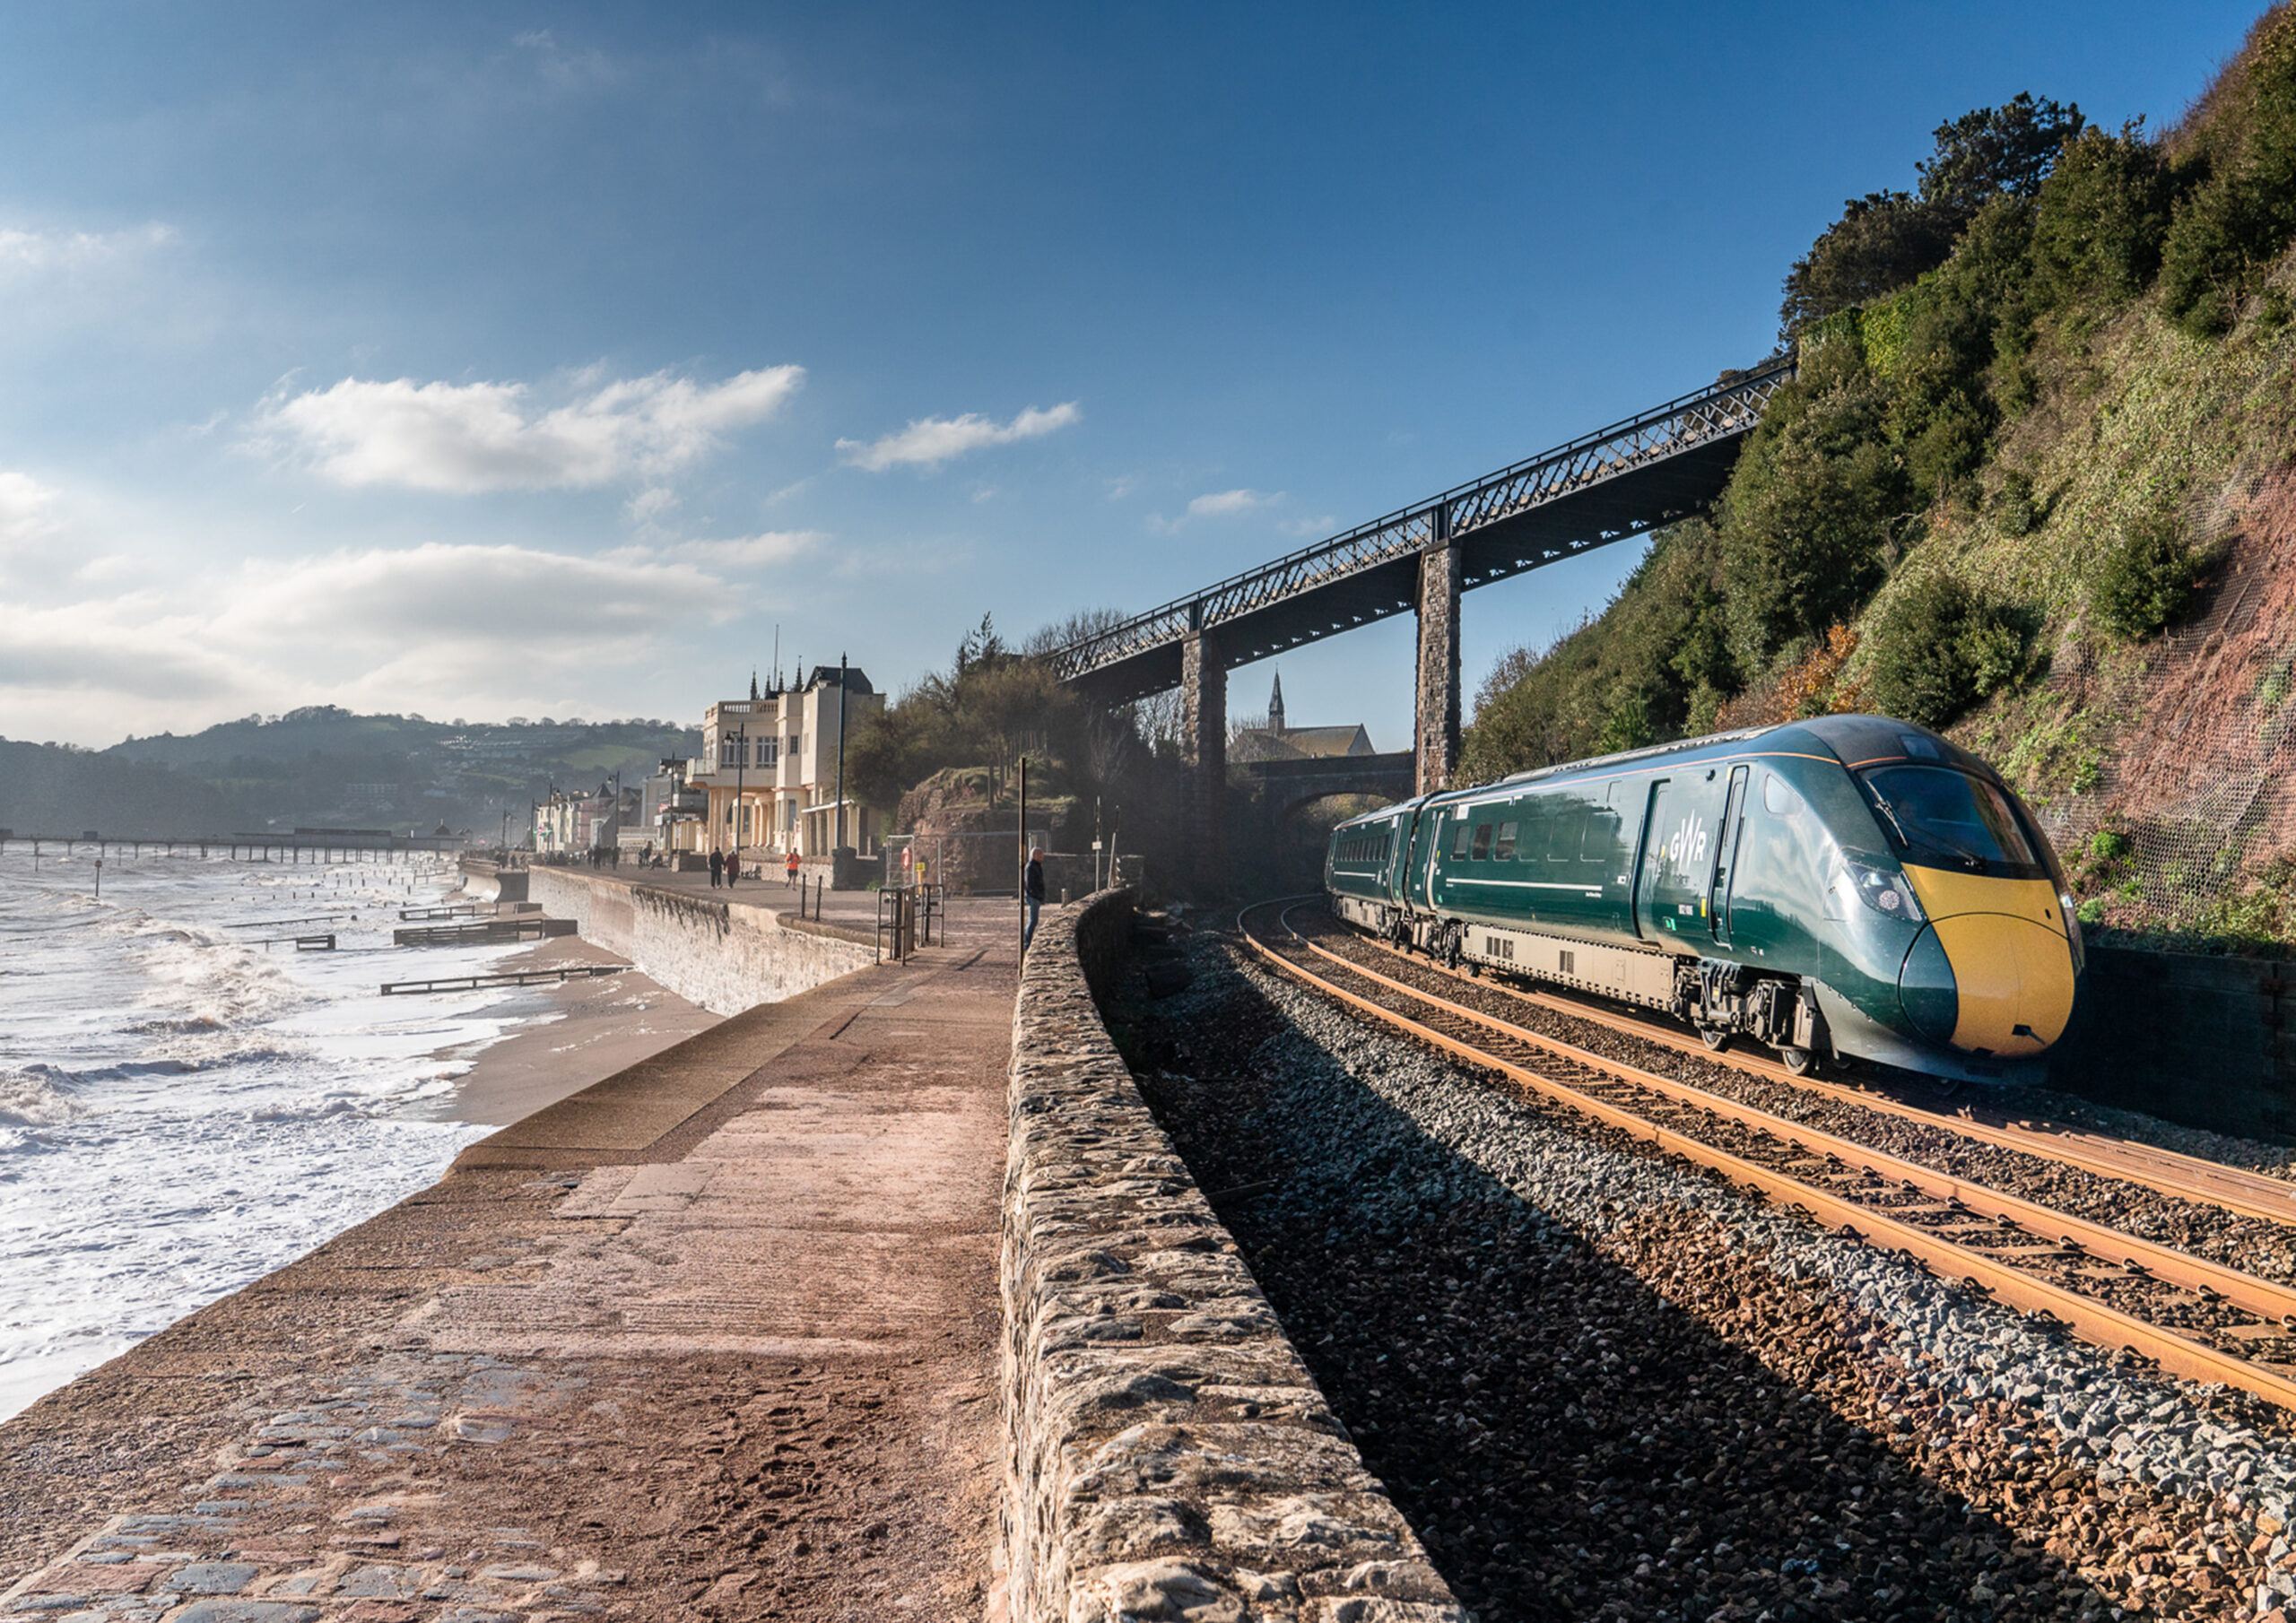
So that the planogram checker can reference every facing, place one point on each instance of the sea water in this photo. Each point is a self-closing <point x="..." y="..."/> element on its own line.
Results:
<point x="184" y="1109"/>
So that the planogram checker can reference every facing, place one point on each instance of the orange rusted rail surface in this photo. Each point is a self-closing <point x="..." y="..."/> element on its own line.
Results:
<point x="2091" y="1320"/>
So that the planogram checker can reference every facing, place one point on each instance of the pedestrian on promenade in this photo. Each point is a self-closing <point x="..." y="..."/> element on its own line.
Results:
<point x="1033" y="889"/>
<point x="717" y="866"/>
<point x="789" y="866"/>
<point x="732" y="866"/>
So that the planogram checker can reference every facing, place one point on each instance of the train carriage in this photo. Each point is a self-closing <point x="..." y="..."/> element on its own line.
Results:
<point x="1848" y="886"/>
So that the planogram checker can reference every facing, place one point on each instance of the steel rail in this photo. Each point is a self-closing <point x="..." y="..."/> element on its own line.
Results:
<point x="2091" y="1320"/>
<point x="2207" y="1182"/>
<point x="2260" y="1296"/>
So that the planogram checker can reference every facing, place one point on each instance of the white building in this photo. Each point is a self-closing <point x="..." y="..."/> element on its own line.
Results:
<point x="769" y="768"/>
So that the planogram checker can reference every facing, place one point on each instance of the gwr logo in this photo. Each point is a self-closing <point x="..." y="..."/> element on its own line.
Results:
<point x="1686" y="848"/>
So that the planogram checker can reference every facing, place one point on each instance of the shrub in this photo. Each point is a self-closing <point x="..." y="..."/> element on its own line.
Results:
<point x="1938" y="647"/>
<point x="1809" y="509"/>
<point x="2242" y="212"/>
<point x="2097" y="233"/>
<point x="2109" y="845"/>
<point x="2148" y="579"/>
<point x="2014" y="508"/>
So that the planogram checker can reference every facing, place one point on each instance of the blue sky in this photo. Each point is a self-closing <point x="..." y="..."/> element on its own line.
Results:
<point x="478" y="360"/>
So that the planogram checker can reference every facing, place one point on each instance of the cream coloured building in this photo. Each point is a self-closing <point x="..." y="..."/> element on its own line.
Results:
<point x="768" y="768"/>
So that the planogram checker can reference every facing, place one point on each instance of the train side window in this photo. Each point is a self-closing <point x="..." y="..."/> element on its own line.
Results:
<point x="1506" y="846"/>
<point x="1460" y="835"/>
<point x="1778" y="796"/>
<point x="1562" y="845"/>
<point x="1482" y="842"/>
<point x="1601" y="838"/>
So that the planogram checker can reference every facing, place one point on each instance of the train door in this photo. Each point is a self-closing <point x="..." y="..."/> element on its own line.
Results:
<point x="1648" y="856"/>
<point x="1677" y="858"/>
<point x="1726" y="857"/>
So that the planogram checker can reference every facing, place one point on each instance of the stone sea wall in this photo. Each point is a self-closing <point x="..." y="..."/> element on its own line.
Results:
<point x="2207" y="1042"/>
<point x="1167" y="1453"/>
<point x="726" y="956"/>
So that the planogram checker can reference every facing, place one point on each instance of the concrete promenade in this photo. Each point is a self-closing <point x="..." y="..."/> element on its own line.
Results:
<point x="975" y="917"/>
<point x="714" y="1338"/>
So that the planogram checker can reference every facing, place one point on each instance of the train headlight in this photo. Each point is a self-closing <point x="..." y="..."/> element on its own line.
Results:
<point x="1884" y="892"/>
<point x="2072" y="911"/>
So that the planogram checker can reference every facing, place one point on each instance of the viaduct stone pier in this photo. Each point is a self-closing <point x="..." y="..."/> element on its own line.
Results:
<point x="1665" y="465"/>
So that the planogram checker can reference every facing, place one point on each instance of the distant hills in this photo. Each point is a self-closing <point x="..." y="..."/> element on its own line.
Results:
<point x="325" y="767"/>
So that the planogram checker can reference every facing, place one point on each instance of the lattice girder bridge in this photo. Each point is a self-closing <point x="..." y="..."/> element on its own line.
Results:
<point x="1665" y="463"/>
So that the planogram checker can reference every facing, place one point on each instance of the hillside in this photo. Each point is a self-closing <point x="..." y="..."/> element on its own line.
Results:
<point x="2033" y="485"/>
<point x="324" y="767"/>
<point x="45" y="789"/>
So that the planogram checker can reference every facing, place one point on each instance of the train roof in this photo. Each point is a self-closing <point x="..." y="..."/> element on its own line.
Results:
<point x="1853" y="740"/>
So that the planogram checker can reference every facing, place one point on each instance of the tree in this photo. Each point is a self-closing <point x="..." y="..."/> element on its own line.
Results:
<point x="1993" y="150"/>
<point x="1883" y="241"/>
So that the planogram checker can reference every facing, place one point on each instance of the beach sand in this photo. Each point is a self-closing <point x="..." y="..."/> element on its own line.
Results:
<point x="603" y="1025"/>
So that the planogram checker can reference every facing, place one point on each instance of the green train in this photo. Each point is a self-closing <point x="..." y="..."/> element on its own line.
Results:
<point x="1850" y="887"/>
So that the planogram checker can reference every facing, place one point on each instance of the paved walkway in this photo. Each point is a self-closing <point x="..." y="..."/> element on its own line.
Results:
<point x="978" y="920"/>
<point x="715" y="1337"/>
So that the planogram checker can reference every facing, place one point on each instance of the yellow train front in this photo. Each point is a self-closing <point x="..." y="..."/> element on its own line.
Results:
<point x="1850" y="887"/>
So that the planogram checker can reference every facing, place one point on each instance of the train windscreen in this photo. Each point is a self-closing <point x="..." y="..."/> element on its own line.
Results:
<point x="1944" y="817"/>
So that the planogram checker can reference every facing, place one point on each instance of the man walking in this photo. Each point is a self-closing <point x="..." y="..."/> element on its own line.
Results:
<point x="717" y="866"/>
<point x="789" y="867"/>
<point x="1033" y="889"/>
<point x="732" y="866"/>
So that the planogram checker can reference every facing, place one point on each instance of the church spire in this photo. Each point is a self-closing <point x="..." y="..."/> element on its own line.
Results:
<point x="752" y="684"/>
<point x="1276" y="708"/>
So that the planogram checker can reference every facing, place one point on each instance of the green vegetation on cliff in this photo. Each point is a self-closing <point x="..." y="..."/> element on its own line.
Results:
<point x="2042" y="397"/>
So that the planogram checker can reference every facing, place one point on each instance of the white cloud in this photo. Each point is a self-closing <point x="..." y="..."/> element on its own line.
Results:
<point x="1216" y="504"/>
<point x="588" y="69"/>
<point x="435" y="628"/>
<point x="1322" y="523"/>
<point x="44" y="250"/>
<point x="27" y="509"/>
<point x="928" y="442"/>
<point x="742" y="552"/>
<point x="1119" y="489"/>
<point x="465" y="439"/>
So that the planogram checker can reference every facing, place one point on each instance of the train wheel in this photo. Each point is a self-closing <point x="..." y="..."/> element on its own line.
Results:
<point x="1801" y="1062"/>
<point x="1713" y="1037"/>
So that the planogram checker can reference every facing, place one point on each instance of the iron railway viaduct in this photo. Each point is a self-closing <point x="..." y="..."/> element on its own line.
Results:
<point x="1666" y="464"/>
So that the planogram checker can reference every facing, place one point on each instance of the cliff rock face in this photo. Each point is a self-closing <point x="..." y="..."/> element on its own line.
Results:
<point x="957" y="828"/>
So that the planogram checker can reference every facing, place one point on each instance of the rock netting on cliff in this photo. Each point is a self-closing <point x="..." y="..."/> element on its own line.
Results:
<point x="1167" y="1454"/>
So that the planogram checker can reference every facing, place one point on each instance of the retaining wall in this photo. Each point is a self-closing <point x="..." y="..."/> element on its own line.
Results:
<point x="1167" y="1454"/>
<point x="726" y="956"/>
<point x="484" y="882"/>
<point x="2197" y="1039"/>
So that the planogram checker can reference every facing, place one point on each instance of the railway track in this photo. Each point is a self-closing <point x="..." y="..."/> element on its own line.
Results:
<point x="2191" y="1317"/>
<point x="2167" y="1172"/>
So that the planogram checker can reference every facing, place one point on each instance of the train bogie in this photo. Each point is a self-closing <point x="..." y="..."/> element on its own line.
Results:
<point x="1849" y="886"/>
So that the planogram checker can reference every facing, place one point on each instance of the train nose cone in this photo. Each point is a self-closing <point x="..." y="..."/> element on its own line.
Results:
<point x="2011" y="982"/>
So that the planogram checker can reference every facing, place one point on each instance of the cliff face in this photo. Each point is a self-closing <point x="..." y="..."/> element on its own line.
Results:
<point x="2038" y="492"/>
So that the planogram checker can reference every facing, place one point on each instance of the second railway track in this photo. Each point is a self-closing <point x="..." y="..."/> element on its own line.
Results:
<point x="2197" y="1318"/>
